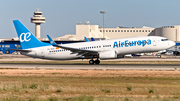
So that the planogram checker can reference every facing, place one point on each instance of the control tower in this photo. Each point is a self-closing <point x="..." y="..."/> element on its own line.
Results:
<point x="38" y="19"/>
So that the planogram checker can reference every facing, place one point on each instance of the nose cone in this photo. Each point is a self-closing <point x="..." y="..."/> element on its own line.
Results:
<point x="172" y="43"/>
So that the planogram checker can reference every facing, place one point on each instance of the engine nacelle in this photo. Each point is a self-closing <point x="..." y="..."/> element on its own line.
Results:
<point x="108" y="54"/>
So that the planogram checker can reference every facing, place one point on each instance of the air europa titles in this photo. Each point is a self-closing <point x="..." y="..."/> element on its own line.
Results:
<point x="128" y="43"/>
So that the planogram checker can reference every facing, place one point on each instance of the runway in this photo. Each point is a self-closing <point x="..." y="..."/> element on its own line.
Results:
<point x="92" y="67"/>
<point x="13" y="62"/>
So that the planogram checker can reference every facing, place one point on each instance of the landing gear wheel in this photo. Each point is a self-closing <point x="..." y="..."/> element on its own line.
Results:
<point x="91" y="62"/>
<point x="159" y="56"/>
<point x="97" y="61"/>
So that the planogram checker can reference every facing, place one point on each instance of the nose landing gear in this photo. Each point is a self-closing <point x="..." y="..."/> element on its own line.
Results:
<point x="92" y="61"/>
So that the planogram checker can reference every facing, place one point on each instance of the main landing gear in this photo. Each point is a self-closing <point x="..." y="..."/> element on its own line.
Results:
<point x="92" y="61"/>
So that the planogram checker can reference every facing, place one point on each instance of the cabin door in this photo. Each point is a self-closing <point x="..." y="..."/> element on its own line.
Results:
<point x="154" y="42"/>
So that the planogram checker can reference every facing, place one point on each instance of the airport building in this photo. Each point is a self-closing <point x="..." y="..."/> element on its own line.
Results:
<point x="170" y="32"/>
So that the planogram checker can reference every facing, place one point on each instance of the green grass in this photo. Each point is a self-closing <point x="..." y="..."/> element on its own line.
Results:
<point x="50" y="87"/>
<point x="33" y="86"/>
<point x="129" y="88"/>
<point x="59" y="91"/>
<point x="151" y="91"/>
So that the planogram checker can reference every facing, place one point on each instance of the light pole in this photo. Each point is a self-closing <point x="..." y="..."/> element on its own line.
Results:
<point x="103" y="12"/>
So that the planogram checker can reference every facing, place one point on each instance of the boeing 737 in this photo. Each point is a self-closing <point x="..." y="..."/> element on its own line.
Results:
<point x="105" y="49"/>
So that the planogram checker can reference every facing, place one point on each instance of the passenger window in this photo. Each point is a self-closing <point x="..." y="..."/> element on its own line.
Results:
<point x="164" y="39"/>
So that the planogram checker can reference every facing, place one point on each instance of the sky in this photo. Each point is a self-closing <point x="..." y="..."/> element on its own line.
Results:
<point x="62" y="15"/>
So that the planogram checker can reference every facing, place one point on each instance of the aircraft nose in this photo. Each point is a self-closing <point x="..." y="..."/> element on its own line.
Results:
<point x="172" y="43"/>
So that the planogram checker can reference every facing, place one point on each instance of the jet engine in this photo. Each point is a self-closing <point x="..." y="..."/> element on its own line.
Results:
<point x="108" y="54"/>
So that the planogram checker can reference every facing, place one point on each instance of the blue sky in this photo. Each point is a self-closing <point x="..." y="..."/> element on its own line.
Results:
<point x="62" y="15"/>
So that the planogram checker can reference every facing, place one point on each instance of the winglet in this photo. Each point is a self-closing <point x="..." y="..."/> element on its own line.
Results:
<point x="51" y="41"/>
<point x="92" y="39"/>
<point x="86" y="39"/>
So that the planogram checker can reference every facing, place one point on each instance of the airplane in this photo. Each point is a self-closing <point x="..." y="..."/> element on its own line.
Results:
<point x="1" y="40"/>
<point x="86" y="39"/>
<point x="99" y="50"/>
<point x="92" y="39"/>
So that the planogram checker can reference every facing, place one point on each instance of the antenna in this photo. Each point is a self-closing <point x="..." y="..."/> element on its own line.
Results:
<point x="37" y="9"/>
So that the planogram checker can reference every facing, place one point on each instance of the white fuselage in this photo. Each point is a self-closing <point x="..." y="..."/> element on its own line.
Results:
<point x="121" y="46"/>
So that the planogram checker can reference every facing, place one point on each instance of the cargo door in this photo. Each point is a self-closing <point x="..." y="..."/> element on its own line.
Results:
<point x="42" y="53"/>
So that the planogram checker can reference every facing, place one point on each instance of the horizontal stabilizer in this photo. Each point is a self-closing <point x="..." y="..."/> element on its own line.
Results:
<point x="21" y="50"/>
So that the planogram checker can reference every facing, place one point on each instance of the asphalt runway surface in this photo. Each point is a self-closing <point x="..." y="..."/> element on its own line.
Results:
<point x="91" y="67"/>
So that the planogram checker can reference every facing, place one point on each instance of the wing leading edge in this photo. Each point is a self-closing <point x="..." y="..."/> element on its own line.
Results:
<point x="82" y="52"/>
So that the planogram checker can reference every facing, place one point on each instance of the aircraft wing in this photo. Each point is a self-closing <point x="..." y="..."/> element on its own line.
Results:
<point x="74" y="50"/>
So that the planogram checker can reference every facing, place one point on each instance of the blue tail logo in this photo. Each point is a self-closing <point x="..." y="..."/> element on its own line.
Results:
<point x="26" y="38"/>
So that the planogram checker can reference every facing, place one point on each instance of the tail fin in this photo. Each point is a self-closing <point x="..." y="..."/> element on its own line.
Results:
<point x="86" y="39"/>
<point x="26" y="38"/>
<point x="92" y="39"/>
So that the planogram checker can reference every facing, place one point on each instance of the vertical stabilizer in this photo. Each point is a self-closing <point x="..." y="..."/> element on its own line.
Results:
<point x="26" y="38"/>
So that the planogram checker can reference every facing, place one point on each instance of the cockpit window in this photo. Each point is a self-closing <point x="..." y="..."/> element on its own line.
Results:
<point x="164" y="39"/>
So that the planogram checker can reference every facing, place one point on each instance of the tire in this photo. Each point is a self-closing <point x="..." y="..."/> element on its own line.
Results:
<point x="91" y="62"/>
<point x="97" y="61"/>
<point x="159" y="56"/>
<point x="7" y="51"/>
